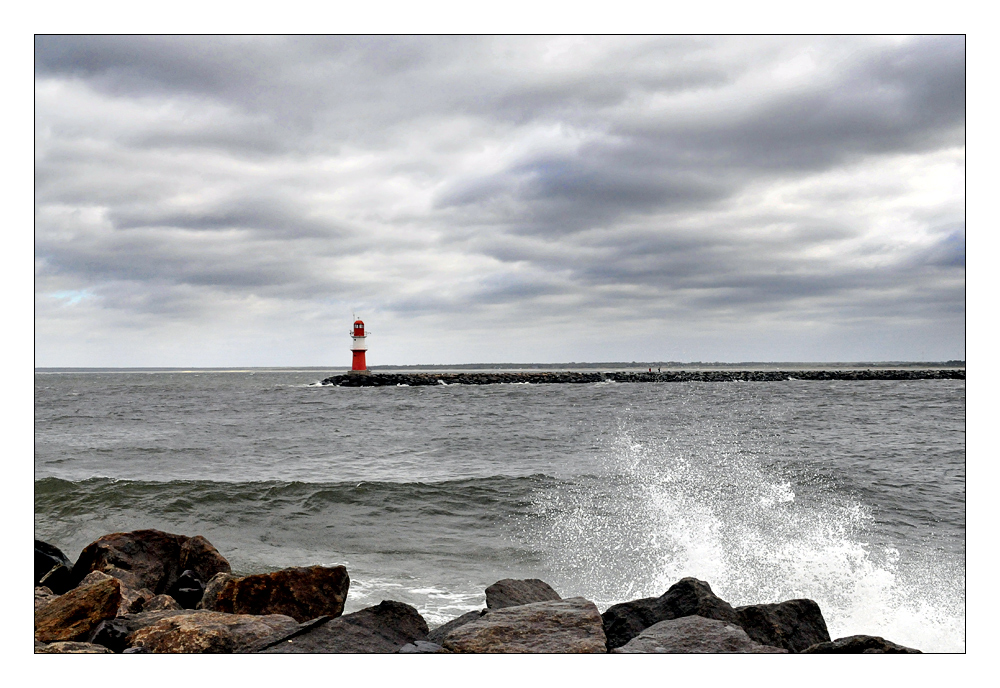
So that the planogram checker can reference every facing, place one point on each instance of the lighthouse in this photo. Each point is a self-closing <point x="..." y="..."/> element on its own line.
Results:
<point x="358" y="347"/>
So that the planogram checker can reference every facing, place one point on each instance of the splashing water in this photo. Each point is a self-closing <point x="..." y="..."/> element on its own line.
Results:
<point x="660" y="513"/>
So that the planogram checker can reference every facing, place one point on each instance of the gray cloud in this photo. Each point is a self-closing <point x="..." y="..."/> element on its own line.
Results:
<point x="204" y="189"/>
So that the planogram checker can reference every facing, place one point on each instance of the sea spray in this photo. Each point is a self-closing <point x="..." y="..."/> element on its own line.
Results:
<point x="662" y="511"/>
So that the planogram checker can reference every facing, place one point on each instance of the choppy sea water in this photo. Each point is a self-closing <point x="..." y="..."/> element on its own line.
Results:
<point x="849" y="493"/>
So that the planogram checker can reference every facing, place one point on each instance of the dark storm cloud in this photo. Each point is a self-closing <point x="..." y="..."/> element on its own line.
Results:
<point x="457" y="175"/>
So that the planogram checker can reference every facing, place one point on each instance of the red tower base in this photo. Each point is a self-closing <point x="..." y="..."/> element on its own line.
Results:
<point x="358" y="366"/>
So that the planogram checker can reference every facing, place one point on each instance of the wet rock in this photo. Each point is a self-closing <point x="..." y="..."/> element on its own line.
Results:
<point x="114" y="633"/>
<point x="46" y="557"/>
<point x="421" y="647"/>
<point x="438" y="634"/>
<point x="43" y="596"/>
<point x="74" y="615"/>
<point x="161" y="603"/>
<point x="386" y="627"/>
<point x="212" y="588"/>
<point x="687" y="597"/>
<point x="71" y="648"/>
<point x="694" y="634"/>
<point x="793" y="625"/>
<point x="302" y="628"/>
<point x="132" y="600"/>
<point x="302" y="593"/>
<point x="187" y="590"/>
<point x="59" y="579"/>
<point x="149" y="558"/>
<point x="556" y="626"/>
<point x="859" y="644"/>
<point x="209" y="632"/>
<point x="511" y="593"/>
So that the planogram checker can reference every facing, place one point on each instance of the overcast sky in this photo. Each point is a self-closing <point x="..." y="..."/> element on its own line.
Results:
<point x="234" y="201"/>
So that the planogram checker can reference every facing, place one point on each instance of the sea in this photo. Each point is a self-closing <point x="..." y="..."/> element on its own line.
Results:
<point x="848" y="493"/>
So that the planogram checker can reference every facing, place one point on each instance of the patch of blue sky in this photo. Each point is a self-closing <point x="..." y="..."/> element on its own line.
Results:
<point x="72" y="296"/>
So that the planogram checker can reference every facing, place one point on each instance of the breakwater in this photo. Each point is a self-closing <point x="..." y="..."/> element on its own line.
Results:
<point x="554" y="377"/>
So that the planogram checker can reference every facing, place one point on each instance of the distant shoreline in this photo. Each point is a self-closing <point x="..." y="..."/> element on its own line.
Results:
<point x="514" y="367"/>
<point x="424" y="379"/>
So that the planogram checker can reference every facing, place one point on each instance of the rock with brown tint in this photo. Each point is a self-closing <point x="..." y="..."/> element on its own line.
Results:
<point x="74" y="615"/>
<point x="694" y="634"/>
<point x="71" y="648"/>
<point x="558" y="626"/>
<point x="114" y="633"/>
<point x="384" y="628"/>
<point x="441" y="632"/>
<point x="132" y="600"/>
<point x="161" y="603"/>
<point x="510" y="592"/>
<point x="215" y="584"/>
<point x="302" y="593"/>
<point x="149" y="558"/>
<point x="210" y="632"/>
<point x="43" y="596"/>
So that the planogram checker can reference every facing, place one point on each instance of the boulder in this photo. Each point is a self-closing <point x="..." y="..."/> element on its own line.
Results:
<point x="59" y="579"/>
<point x="71" y="648"/>
<point x="510" y="592"/>
<point x="199" y="631"/>
<point x="113" y="633"/>
<point x="132" y="600"/>
<point x="302" y="593"/>
<point x="149" y="559"/>
<point x="386" y="627"/>
<point x="43" y="596"/>
<point x="438" y="634"/>
<point x="793" y="625"/>
<point x="46" y="557"/>
<point x="694" y="634"/>
<point x="300" y="630"/>
<point x="161" y="603"/>
<point x="859" y="644"/>
<point x="74" y="615"/>
<point x="421" y="647"/>
<point x="687" y="597"/>
<point x="187" y="590"/>
<point x="212" y="588"/>
<point x="556" y="626"/>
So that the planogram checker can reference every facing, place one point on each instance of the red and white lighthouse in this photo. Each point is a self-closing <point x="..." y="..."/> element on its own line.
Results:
<point x="358" y="347"/>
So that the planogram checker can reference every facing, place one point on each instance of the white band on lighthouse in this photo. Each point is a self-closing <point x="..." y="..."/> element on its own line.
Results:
<point x="359" y="344"/>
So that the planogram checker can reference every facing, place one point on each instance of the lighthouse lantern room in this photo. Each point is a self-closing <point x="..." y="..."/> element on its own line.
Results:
<point x="358" y="347"/>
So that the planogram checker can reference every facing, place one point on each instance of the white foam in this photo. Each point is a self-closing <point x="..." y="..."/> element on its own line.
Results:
<point x="660" y="515"/>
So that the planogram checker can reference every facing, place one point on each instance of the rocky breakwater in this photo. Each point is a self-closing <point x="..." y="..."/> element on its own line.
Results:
<point x="537" y="378"/>
<point x="153" y="592"/>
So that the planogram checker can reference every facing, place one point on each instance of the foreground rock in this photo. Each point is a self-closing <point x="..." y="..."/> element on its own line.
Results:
<point x="859" y="644"/>
<point x="52" y="569"/>
<point x="74" y="615"/>
<point x="511" y="593"/>
<point x="687" y="597"/>
<point x="793" y="625"/>
<point x="71" y="648"/>
<point x="386" y="627"/>
<point x="694" y="634"/>
<point x="43" y="596"/>
<point x="114" y="633"/>
<point x="132" y="600"/>
<point x="558" y="626"/>
<point x="441" y="632"/>
<point x="150" y="559"/>
<point x="210" y="632"/>
<point x="302" y="593"/>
